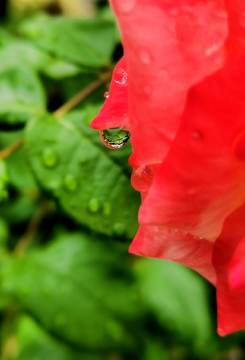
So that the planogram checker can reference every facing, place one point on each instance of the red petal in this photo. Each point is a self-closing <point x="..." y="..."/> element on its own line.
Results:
<point x="236" y="40"/>
<point x="114" y="113"/>
<point x="163" y="60"/>
<point x="201" y="181"/>
<point x="236" y="268"/>
<point x="231" y="304"/>
<point x="159" y="242"/>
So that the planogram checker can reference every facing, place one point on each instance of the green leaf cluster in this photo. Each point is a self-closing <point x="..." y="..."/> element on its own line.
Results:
<point x="69" y="290"/>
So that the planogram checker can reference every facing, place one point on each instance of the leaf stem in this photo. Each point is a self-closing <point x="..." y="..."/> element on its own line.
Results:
<point x="11" y="149"/>
<point x="103" y="78"/>
<point x="32" y="228"/>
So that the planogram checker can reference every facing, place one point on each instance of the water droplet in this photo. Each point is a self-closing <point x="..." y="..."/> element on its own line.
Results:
<point x="70" y="182"/>
<point x="173" y="11"/>
<point x="115" y="138"/>
<point x="94" y="205"/>
<point x="83" y="160"/>
<point x="164" y="75"/>
<point x="106" y="94"/>
<point x="121" y="77"/>
<point x="106" y="209"/>
<point x="147" y="90"/>
<point x="141" y="178"/>
<point x="145" y="57"/>
<point x="118" y="229"/>
<point x="196" y="135"/>
<point x="125" y="6"/>
<point x="180" y="232"/>
<point x="49" y="157"/>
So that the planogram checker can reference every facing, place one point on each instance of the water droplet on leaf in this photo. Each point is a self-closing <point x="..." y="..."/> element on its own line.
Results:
<point x="94" y="205"/>
<point x="49" y="158"/>
<point x="70" y="182"/>
<point x="115" y="138"/>
<point x="106" y="209"/>
<point x="118" y="229"/>
<point x="106" y="94"/>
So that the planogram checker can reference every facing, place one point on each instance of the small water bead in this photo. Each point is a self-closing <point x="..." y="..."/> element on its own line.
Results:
<point x="125" y="6"/>
<point x="70" y="182"/>
<point x="106" y="94"/>
<point x="115" y="138"/>
<point x="94" y="205"/>
<point x="196" y="135"/>
<point x="121" y="77"/>
<point x="118" y="229"/>
<point x="49" y="157"/>
<point x="145" y="57"/>
<point x="106" y="209"/>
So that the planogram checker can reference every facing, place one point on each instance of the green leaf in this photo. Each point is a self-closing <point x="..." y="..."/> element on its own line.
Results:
<point x="21" y="95"/>
<point x="17" y="163"/>
<point x="78" y="288"/>
<point x="20" y="51"/>
<point x="87" y="43"/>
<point x="35" y="344"/>
<point x="178" y="298"/>
<point x="90" y="185"/>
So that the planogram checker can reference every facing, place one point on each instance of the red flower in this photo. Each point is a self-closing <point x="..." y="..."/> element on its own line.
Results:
<point x="184" y="103"/>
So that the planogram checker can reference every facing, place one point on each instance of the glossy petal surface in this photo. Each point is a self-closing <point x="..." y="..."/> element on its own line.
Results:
<point x="231" y="304"/>
<point x="202" y="181"/>
<point x="114" y="113"/>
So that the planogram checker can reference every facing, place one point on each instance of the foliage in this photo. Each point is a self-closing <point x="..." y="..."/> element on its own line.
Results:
<point x="69" y="290"/>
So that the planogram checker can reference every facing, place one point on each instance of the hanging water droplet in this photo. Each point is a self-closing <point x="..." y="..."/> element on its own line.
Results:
<point x="118" y="229"/>
<point x="115" y="138"/>
<point x="121" y="77"/>
<point x="94" y="205"/>
<point x="70" y="182"/>
<point x="106" y="94"/>
<point x="49" y="157"/>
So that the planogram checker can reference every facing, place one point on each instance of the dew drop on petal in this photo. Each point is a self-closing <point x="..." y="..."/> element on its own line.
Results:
<point x="49" y="158"/>
<point x="115" y="138"/>
<point x="70" y="182"/>
<point x="196" y="135"/>
<point x="145" y="57"/>
<point x="125" y="6"/>
<point x="173" y="11"/>
<point x="121" y="77"/>
<point x="106" y="94"/>
<point x="164" y="75"/>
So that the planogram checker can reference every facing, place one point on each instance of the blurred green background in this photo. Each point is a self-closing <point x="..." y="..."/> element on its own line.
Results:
<point x="68" y="288"/>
